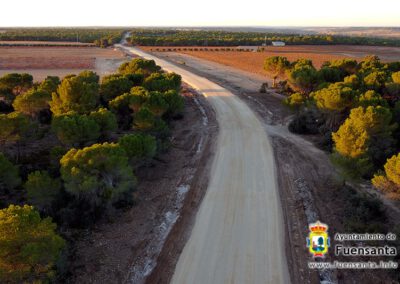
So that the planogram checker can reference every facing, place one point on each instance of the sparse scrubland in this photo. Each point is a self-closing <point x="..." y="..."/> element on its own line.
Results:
<point x="69" y="152"/>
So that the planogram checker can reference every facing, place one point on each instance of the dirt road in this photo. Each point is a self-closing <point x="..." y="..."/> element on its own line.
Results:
<point x="238" y="235"/>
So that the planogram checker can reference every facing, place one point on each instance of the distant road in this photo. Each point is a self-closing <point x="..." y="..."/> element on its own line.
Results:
<point x="238" y="235"/>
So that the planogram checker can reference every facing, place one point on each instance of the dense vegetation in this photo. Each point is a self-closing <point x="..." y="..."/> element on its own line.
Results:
<point x="101" y="36"/>
<point x="29" y="246"/>
<point x="180" y="37"/>
<point x="355" y="106"/>
<point x="352" y="110"/>
<point x="69" y="150"/>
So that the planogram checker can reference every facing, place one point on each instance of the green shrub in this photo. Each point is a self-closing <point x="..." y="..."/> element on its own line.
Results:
<point x="29" y="246"/>
<point x="42" y="189"/>
<point x="9" y="175"/>
<point x="98" y="175"/>
<point x="138" y="146"/>
<point x="106" y="120"/>
<point x="144" y="119"/>
<point x="74" y="130"/>
<point x="175" y="102"/>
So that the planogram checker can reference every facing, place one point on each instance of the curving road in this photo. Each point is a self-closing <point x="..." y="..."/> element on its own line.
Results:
<point x="238" y="235"/>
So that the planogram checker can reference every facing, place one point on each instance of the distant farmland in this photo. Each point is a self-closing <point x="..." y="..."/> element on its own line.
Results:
<point x="42" y="43"/>
<point x="253" y="61"/>
<point x="60" y="61"/>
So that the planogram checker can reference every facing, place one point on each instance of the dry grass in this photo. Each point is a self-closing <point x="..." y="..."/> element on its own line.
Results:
<point x="253" y="61"/>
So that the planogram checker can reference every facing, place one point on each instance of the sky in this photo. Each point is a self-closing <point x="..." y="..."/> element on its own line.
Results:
<point x="200" y="13"/>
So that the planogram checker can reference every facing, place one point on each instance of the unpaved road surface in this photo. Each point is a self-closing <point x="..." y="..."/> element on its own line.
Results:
<point x="309" y="186"/>
<point x="238" y="235"/>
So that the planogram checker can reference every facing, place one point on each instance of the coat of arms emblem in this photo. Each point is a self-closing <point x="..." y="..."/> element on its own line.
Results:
<point x="318" y="240"/>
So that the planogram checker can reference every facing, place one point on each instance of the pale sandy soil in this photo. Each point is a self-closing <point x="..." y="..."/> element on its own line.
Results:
<point x="127" y="250"/>
<point x="309" y="187"/>
<point x="238" y="235"/>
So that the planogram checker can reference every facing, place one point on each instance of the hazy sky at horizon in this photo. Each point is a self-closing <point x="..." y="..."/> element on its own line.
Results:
<point x="200" y="13"/>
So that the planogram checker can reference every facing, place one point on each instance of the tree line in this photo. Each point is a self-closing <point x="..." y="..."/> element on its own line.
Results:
<point x="68" y="153"/>
<point x="100" y="37"/>
<point x="354" y="106"/>
<point x="179" y="37"/>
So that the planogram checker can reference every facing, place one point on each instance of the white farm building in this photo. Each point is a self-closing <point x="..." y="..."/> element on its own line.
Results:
<point x="278" y="43"/>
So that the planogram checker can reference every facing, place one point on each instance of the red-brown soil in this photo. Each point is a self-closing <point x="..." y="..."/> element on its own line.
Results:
<point x="53" y="57"/>
<point x="41" y="61"/>
<point x="253" y="61"/>
<point x="42" y="43"/>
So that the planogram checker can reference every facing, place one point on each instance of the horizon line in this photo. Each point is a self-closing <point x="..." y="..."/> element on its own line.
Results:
<point x="197" y="26"/>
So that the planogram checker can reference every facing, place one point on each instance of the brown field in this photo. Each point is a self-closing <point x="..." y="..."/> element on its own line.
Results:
<point x="253" y="61"/>
<point x="42" y="43"/>
<point x="59" y="61"/>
